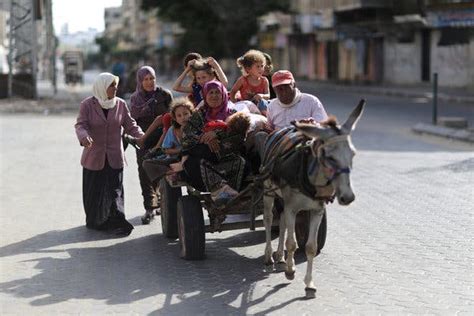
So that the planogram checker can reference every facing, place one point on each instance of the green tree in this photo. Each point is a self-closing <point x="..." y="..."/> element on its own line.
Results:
<point x="219" y="28"/>
<point x="107" y="47"/>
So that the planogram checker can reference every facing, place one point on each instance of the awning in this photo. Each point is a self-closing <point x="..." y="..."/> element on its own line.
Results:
<point x="326" y="35"/>
<point x="451" y="18"/>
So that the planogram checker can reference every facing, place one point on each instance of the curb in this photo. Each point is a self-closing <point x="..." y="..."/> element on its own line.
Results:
<point x="42" y="106"/>
<point x="465" y="135"/>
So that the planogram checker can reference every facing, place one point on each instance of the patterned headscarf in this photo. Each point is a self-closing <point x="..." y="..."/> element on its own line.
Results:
<point x="142" y="96"/>
<point x="222" y="112"/>
<point x="99" y="89"/>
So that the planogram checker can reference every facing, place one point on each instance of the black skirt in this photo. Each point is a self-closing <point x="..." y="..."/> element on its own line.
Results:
<point x="103" y="198"/>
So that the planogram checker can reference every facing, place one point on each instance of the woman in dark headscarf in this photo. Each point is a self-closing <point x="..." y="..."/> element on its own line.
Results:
<point x="149" y="103"/>
<point x="214" y="163"/>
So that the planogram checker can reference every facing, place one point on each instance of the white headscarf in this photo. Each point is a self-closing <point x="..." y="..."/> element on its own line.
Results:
<point x="103" y="81"/>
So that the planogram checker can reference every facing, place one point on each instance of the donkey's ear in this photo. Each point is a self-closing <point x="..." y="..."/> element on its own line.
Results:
<point x="351" y="122"/>
<point x="312" y="131"/>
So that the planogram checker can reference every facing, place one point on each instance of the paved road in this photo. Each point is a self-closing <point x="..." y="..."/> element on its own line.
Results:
<point x="403" y="247"/>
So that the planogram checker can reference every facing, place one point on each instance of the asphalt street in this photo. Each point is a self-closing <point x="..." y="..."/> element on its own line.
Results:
<point x="404" y="246"/>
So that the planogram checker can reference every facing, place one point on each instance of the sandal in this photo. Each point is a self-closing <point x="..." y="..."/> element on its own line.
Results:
<point x="148" y="217"/>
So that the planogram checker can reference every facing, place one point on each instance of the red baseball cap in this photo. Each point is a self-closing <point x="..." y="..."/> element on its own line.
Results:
<point x="282" y="77"/>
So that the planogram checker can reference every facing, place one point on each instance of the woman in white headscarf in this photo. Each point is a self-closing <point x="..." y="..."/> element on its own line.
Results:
<point x="99" y="129"/>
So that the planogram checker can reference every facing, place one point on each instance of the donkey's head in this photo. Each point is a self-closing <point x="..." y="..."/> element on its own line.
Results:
<point x="333" y="148"/>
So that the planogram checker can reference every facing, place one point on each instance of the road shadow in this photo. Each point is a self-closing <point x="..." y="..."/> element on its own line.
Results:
<point x="135" y="269"/>
<point x="41" y="242"/>
<point x="462" y="167"/>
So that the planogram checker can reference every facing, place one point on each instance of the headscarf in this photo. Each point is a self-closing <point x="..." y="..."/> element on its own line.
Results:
<point x="141" y="95"/>
<point x="99" y="89"/>
<point x="221" y="112"/>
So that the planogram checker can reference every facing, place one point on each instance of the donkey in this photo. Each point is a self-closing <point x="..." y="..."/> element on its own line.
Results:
<point x="308" y="165"/>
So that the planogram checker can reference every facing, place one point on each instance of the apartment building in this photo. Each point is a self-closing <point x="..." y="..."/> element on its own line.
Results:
<point x="402" y="42"/>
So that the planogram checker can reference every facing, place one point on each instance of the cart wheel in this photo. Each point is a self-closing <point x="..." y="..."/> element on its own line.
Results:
<point x="302" y="230"/>
<point x="191" y="228"/>
<point x="168" y="205"/>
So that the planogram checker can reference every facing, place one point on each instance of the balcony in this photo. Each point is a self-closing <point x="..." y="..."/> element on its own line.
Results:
<point x="325" y="5"/>
<point x="448" y="4"/>
<point x="348" y="5"/>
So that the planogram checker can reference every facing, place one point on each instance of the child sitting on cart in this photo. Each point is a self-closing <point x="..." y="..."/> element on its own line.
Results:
<point x="203" y="70"/>
<point x="181" y="110"/>
<point x="252" y="85"/>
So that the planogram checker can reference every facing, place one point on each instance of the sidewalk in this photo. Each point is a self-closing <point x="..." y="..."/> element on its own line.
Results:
<point x="67" y="99"/>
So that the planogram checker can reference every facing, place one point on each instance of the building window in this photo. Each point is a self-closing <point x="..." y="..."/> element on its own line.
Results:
<point x="406" y="36"/>
<point x="454" y="36"/>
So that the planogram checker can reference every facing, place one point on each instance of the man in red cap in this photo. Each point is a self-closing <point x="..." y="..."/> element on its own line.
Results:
<point x="290" y="104"/>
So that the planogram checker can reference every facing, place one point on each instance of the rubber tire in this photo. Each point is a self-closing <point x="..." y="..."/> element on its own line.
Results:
<point x="168" y="209"/>
<point x="302" y="230"/>
<point x="191" y="229"/>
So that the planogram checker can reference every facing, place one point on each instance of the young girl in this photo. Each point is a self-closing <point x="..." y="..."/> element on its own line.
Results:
<point x="252" y="85"/>
<point x="189" y="57"/>
<point x="189" y="60"/>
<point x="181" y="110"/>
<point x="203" y="70"/>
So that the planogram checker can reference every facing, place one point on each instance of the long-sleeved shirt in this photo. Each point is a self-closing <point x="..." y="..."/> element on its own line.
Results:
<point x="106" y="133"/>
<point x="145" y="112"/>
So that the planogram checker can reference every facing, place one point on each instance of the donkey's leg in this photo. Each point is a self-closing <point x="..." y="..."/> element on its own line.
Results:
<point x="278" y="255"/>
<point x="290" y="217"/>
<point x="268" y="219"/>
<point x="311" y="249"/>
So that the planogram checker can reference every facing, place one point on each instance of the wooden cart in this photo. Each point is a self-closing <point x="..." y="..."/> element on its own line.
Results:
<point x="182" y="216"/>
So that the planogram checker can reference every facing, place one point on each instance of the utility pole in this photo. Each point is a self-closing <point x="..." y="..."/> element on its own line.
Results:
<point x="22" y="54"/>
<point x="435" y="99"/>
<point x="51" y="44"/>
<point x="34" y="49"/>
<point x="10" y="51"/>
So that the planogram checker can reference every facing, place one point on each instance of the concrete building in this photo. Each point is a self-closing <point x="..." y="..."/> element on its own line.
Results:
<point x="82" y="40"/>
<point x="113" y="21"/>
<point x="451" y="41"/>
<point x="436" y="37"/>
<point x="402" y="42"/>
<point x="275" y="28"/>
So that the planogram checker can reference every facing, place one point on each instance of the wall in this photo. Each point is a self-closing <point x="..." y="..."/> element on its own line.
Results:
<point x="321" y="61"/>
<point x="471" y="66"/>
<point x="453" y="63"/>
<point x="402" y="61"/>
<point x="348" y="65"/>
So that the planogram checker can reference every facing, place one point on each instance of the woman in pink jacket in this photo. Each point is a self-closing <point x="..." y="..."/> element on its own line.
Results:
<point x="99" y="128"/>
